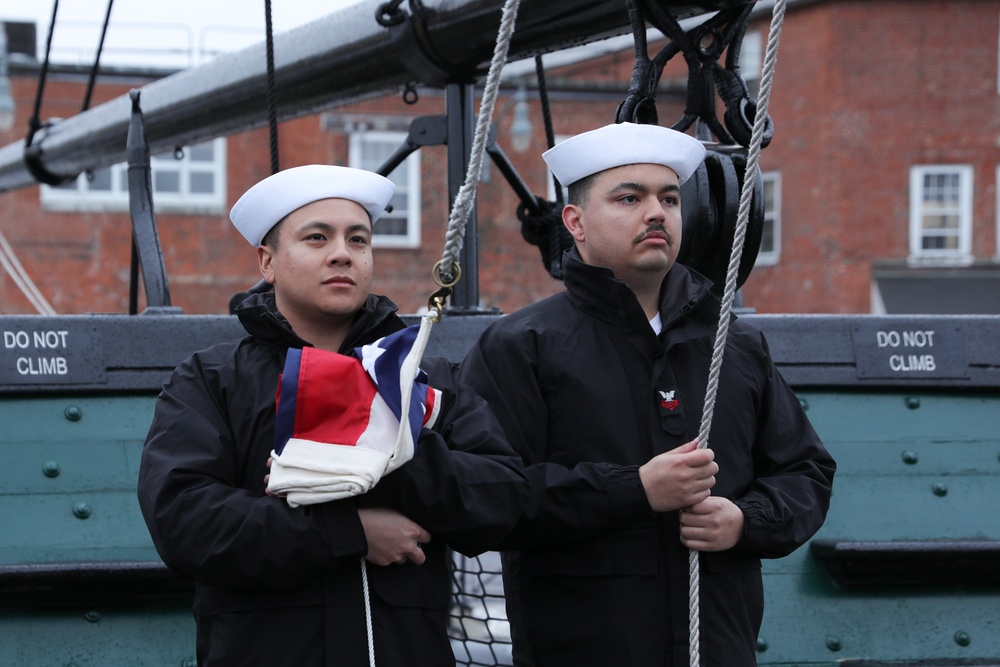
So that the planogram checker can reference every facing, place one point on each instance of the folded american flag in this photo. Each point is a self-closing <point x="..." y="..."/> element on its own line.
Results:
<point x="344" y="422"/>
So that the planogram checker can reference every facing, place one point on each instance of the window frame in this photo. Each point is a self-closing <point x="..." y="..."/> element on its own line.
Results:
<point x="412" y="178"/>
<point x="772" y="257"/>
<point x="751" y="61"/>
<point x="996" y="239"/>
<point x="82" y="198"/>
<point x="963" y="211"/>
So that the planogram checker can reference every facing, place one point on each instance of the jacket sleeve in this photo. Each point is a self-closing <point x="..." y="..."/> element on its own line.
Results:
<point x="565" y="503"/>
<point x="464" y="483"/>
<point x="789" y="496"/>
<point x="201" y="489"/>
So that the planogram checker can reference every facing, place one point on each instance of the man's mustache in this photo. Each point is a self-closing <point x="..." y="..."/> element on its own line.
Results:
<point x="654" y="228"/>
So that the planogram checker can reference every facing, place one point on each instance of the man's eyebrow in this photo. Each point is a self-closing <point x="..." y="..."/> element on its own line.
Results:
<point x="327" y="227"/>
<point x="317" y="224"/>
<point x="641" y="187"/>
<point x="359" y="227"/>
<point x="628" y="185"/>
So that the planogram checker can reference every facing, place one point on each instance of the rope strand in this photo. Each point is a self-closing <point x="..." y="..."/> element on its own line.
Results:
<point x="272" y="103"/>
<point x="746" y="194"/>
<point x="368" y="612"/>
<point x="456" y="226"/>
<point x="464" y="200"/>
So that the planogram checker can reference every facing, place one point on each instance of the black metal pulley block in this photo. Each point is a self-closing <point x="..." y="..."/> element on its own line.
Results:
<point x="710" y="202"/>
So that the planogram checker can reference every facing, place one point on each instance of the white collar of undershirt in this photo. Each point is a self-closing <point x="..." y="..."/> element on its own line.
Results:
<point x="657" y="324"/>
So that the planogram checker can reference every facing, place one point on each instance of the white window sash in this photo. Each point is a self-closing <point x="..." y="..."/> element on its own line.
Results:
<point x="996" y="240"/>
<point x="772" y="217"/>
<point x="406" y="175"/>
<point x="79" y="196"/>
<point x="961" y="210"/>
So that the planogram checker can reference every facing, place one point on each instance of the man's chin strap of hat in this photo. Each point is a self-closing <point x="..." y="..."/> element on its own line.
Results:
<point x="746" y="194"/>
<point x="447" y="271"/>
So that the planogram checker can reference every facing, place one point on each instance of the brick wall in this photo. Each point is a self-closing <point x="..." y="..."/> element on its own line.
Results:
<point x="862" y="91"/>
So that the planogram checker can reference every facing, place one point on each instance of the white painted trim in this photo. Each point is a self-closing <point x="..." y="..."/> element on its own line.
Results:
<point x="774" y="256"/>
<point x="77" y="196"/>
<point x="407" y="179"/>
<point x="961" y="255"/>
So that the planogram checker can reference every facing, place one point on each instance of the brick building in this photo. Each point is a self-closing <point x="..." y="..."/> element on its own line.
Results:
<point x="880" y="181"/>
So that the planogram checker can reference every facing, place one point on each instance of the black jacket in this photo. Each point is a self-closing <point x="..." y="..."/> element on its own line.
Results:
<point x="586" y="393"/>
<point x="282" y="586"/>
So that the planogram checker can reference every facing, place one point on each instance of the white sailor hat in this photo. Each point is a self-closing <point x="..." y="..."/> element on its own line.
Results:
<point x="265" y="204"/>
<point x="619" y="144"/>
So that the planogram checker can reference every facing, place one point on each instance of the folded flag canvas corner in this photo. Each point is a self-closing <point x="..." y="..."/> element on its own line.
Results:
<point x="343" y="422"/>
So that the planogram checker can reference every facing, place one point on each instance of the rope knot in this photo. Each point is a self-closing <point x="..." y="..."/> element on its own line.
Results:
<point x="536" y="223"/>
<point x="544" y="228"/>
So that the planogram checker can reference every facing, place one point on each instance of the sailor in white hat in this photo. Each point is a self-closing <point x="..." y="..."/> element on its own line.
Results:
<point x="599" y="390"/>
<point x="312" y="226"/>
<point x="624" y="209"/>
<point x="320" y="380"/>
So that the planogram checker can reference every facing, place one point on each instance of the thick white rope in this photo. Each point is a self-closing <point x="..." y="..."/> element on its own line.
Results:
<point x="419" y="345"/>
<point x="21" y="278"/>
<point x="368" y="613"/>
<point x="461" y="210"/>
<point x="746" y="194"/>
<point x="465" y="199"/>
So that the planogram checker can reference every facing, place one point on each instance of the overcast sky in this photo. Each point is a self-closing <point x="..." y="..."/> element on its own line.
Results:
<point x="170" y="33"/>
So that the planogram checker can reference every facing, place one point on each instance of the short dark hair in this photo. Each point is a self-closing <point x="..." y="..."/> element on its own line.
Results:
<point x="271" y="238"/>
<point x="579" y="192"/>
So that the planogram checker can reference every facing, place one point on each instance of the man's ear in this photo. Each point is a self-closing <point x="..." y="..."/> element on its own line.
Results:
<point x="264" y="257"/>
<point x="572" y="216"/>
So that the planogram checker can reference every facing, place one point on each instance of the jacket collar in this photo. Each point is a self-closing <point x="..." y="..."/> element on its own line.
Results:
<point x="259" y="316"/>
<point x="596" y="290"/>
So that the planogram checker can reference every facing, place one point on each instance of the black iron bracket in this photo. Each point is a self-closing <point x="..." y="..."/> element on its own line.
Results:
<point x="147" y="253"/>
<point x="702" y="47"/>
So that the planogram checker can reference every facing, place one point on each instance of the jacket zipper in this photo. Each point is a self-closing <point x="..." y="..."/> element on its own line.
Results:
<point x="686" y="309"/>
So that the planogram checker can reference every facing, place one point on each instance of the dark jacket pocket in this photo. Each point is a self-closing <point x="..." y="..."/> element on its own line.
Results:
<point x="632" y="551"/>
<point x="423" y="586"/>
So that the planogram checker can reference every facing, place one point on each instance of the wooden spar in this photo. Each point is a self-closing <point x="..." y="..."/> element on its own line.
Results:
<point x="343" y="57"/>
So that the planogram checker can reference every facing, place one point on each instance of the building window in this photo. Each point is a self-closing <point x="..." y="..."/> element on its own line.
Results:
<point x="751" y="61"/>
<point x="190" y="180"/>
<point x="996" y="242"/>
<point x="941" y="213"/>
<point x="400" y="227"/>
<point x="770" y="240"/>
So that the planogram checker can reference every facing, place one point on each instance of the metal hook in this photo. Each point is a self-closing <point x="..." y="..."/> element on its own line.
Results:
<point x="435" y="303"/>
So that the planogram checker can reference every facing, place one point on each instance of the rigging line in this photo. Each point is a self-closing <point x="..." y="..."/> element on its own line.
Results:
<point x="465" y="199"/>
<point x="550" y="134"/>
<point x="272" y="107"/>
<point x="746" y="195"/>
<point x="21" y="278"/>
<point x="34" y="124"/>
<point x="18" y="279"/>
<point x="97" y="59"/>
<point x="368" y="612"/>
